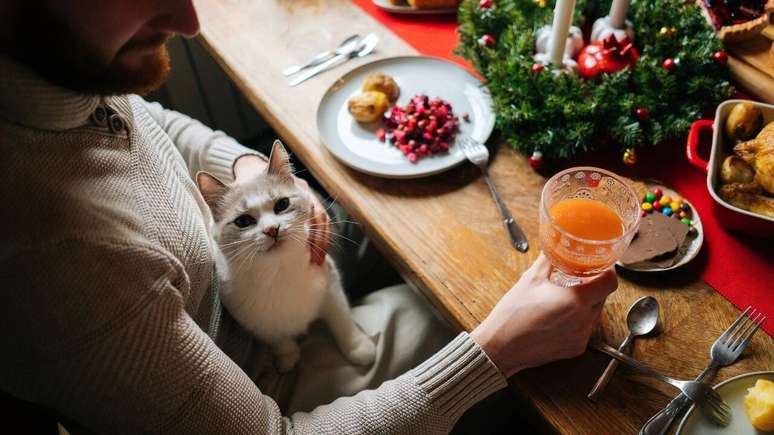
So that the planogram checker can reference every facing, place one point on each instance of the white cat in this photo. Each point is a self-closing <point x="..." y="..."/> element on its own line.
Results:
<point x="269" y="284"/>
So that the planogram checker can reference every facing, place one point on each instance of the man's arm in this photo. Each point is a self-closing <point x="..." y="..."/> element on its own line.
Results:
<point x="103" y="338"/>
<point x="202" y="148"/>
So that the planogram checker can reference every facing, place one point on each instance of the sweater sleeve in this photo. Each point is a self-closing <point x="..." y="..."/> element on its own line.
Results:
<point x="99" y="333"/>
<point x="202" y="148"/>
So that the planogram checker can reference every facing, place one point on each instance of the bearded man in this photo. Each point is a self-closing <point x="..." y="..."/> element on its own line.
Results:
<point x="110" y="314"/>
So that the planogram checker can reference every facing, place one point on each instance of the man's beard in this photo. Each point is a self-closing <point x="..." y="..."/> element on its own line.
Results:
<point x="60" y="55"/>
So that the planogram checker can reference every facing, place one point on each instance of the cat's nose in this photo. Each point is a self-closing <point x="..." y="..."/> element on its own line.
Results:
<point x="271" y="231"/>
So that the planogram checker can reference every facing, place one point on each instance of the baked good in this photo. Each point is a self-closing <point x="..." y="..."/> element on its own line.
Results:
<point x="434" y="4"/>
<point x="368" y="106"/>
<point x="382" y="83"/>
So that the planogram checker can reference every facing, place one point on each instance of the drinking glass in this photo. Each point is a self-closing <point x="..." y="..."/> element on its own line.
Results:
<point x="574" y="258"/>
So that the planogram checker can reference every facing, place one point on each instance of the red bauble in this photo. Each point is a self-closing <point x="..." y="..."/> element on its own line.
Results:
<point x="642" y="113"/>
<point x="536" y="160"/>
<point x="485" y="4"/>
<point x="538" y="68"/>
<point x="720" y="57"/>
<point x="669" y="64"/>
<point x="486" y="41"/>
<point x="608" y="56"/>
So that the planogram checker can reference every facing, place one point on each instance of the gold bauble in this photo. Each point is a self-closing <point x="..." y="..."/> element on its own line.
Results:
<point x="629" y="156"/>
<point x="541" y="3"/>
<point x="665" y="32"/>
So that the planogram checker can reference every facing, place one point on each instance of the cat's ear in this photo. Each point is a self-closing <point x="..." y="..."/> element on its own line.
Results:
<point x="279" y="163"/>
<point x="212" y="190"/>
<point x="248" y="166"/>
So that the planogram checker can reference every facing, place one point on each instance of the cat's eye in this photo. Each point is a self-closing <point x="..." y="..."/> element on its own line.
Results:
<point x="281" y="204"/>
<point x="244" y="221"/>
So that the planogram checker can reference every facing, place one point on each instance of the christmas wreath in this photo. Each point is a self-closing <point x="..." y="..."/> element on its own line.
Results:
<point x="679" y="74"/>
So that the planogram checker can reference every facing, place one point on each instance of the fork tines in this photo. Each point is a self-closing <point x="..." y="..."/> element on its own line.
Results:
<point x="744" y="327"/>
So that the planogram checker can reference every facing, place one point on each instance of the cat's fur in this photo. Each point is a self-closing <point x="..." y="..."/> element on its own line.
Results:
<point x="270" y="286"/>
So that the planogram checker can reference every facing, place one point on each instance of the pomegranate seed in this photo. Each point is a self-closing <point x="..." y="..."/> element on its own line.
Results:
<point x="412" y="157"/>
<point x="380" y="134"/>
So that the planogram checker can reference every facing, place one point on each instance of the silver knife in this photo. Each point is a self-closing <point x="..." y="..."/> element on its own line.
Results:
<point x="366" y="46"/>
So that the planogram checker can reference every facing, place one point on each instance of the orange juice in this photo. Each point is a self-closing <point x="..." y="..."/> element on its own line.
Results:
<point x="585" y="219"/>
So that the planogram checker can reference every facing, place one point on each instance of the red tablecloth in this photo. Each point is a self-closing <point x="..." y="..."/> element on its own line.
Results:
<point x="739" y="267"/>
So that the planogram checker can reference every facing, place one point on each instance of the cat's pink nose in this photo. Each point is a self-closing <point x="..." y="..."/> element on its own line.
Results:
<point x="271" y="231"/>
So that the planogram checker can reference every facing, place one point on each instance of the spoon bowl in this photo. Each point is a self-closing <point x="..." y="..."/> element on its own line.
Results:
<point x="642" y="317"/>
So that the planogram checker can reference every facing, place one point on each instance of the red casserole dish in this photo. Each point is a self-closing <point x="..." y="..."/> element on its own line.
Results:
<point x="728" y="215"/>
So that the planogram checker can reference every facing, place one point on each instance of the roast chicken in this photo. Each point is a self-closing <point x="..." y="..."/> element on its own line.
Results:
<point x="749" y="174"/>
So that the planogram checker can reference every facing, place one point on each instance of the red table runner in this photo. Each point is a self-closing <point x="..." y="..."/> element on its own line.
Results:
<point x="739" y="267"/>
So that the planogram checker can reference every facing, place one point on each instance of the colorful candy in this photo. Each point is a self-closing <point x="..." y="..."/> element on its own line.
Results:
<point x="667" y="205"/>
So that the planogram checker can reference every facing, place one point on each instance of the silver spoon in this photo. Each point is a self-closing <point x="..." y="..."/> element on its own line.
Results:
<point x="641" y="320"/>
<point x="325" y="55"/>
<point x="364" y="48"/>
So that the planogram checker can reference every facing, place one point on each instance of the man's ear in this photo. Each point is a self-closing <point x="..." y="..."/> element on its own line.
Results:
<point x="212" y="190"/>
<point x="279" y="163"/>
<point x="248" y="166"/>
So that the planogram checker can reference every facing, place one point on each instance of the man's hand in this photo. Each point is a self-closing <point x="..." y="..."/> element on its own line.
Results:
<point x="319" y="225"/>
<point x="538" y="322"/>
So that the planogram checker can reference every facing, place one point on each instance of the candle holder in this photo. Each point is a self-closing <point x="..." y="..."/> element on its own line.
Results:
<point x="568" y="66"/>
<point x="571" y="48"/>
<point x="604" y="27"/>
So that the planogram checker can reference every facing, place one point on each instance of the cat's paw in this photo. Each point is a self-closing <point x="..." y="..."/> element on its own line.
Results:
<point x="286" y="358"/>
<point x="361" y="351"/>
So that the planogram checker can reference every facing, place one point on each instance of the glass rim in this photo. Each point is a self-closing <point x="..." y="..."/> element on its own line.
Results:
<point x="564" y="232"/>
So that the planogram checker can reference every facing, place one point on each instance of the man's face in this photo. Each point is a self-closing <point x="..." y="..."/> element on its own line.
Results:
<point x="101" y="46"/>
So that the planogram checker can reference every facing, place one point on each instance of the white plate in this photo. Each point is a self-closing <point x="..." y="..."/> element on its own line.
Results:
<point x="694" y="245"/>
<point x="410" y="10"/>
<point x="732" y="391"/>
<point x="356" y="145"/>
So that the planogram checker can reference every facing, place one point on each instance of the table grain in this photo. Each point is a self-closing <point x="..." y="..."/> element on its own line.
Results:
<point x="444" y="234"/>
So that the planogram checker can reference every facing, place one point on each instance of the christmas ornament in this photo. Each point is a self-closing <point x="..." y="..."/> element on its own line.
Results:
<point x="720" y="57"/>
<point x="541" y="3"/>
<point x="536" y="160"/>
<point x="485" y="4"/>
<point x="666" y="32"/>
<point x="486" y="41"/>
<point x="669" y="64"/>
<point x="537" y="68"/>
<point x="642" y="114"/>
<point x="608" y="56"/>
<point x="630" y="157"/>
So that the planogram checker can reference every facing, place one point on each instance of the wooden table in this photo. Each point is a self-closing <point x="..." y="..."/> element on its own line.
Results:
<point x="444" y="234"/>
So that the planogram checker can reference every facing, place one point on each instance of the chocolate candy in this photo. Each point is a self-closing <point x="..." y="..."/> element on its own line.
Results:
<point x="685" y="207"/>
<point x="646" y="206"/>
<point x="657" y="206"/>
<point x="686" y="221"/>
<point x="665" y="200"/>
<point x="650" y="197"/>
<point x="667" y="211"/>
<point x="658" y="193"/>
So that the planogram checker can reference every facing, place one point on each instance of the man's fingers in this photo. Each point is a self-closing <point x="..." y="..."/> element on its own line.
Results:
<point x="541" y="267"/>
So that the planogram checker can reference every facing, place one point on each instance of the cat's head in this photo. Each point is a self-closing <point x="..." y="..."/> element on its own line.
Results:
<point x="261" y="209"/>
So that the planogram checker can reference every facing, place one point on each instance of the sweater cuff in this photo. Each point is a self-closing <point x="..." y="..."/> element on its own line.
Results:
<point x="221" y="155"/>
<point x="458" y="376"/>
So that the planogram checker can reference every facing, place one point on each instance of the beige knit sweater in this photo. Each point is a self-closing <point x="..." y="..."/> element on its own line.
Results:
<point x="106" y="269"/>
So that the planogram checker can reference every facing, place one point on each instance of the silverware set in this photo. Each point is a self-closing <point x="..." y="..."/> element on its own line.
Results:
<point x="477" y="154"/>
<point x="351" y="47"/>
<point x="724" y="351"/>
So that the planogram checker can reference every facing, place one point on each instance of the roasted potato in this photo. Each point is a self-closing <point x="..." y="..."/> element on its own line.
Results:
<point x="736" y="170"/>
<point x="368" y="106"/>
<point x="739" y="196"/>
<point x="743" y="122"/>
<point x="382" y="83"/>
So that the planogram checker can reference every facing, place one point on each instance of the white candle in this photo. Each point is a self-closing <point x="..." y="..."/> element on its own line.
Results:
<point x="559" y="30"/>
<point x="617" y="14"/>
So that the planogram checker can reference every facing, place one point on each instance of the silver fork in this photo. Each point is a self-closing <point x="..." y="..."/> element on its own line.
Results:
<point x="709" y="401"/>
<point x="725" y="351"/>
<point x="477" y="153"/>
